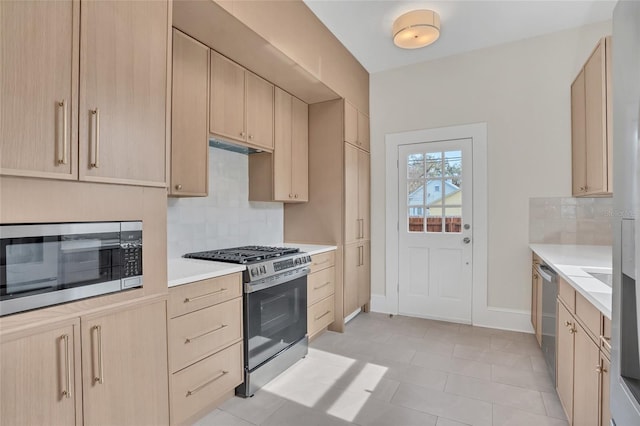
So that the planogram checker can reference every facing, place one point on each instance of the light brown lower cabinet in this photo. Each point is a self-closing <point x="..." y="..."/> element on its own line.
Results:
<point x="582" y="372"/>
<point x="40" y="376"/>
<point x="107" y="368"/>
<point x="357" y="266"/>
<point x="321" y="287"/>
<point x="205" y="345"/>
<point x="124" y="364"/>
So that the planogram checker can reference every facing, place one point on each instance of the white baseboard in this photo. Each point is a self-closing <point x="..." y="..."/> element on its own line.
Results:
<point x="499" y="318"/>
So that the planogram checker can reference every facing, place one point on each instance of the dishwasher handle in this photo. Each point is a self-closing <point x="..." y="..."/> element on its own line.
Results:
<point x="546" y="273"/>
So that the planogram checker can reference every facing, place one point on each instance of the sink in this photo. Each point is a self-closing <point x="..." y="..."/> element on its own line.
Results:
<point x="601" y="274"/>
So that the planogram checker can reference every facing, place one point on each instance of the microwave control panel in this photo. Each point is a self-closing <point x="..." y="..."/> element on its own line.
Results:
<point x="131" y="244"/>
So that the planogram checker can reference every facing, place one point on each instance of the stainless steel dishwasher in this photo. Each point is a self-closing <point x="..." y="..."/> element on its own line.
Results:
<point x="549" y="316"/>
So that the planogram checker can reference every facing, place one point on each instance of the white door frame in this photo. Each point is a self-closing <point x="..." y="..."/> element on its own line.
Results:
<point x="478" y="134"/>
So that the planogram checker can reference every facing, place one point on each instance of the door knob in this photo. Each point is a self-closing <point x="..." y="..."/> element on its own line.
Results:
<point x="466" y="240"/>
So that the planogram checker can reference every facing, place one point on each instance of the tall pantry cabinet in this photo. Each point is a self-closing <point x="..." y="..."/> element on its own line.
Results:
<point x="339" y="201"/>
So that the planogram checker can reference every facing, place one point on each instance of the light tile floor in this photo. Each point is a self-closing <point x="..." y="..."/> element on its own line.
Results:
<point x="403" y="371"/>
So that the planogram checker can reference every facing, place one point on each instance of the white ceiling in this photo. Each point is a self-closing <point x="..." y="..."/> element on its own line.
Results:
<point x="364" y="26"/>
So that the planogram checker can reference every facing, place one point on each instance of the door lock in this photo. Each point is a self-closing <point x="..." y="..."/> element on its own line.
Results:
<point x="466" y="240"/>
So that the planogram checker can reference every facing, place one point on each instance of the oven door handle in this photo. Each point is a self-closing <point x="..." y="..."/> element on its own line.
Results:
<point x="279" y="279"/>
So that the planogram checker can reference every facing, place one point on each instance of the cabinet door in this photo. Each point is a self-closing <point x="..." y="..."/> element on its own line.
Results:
<point x="564" y="360"/>
<point x="352" y="257"/>
<point x="300" y="150"/>
<point x="123" y="91"/>
<point x="578" y="136"/>
<point x="189" y="117"/>
<point x="351" y="186"/>
<point x="39" y="372"/>
<point x="364" y="275"/>
<point x="226" y="98"/>
<point x="350" y="123"/>
<point x="596" y="120"/>
<point x="363" y="131"/>
<point x="605" y="385"/>
<point x="124" y="367"/>
<point x="364" y="179"/>
<point x="38" y="82"/>
<point x="259" y="112"/>
<point x="282" y="161"/>
<point x="586" y="395"/>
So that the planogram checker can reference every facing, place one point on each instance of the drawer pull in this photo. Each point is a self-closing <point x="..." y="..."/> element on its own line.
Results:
<point x="323" y="285"/>
<point x="207" y="383"/>
<point x="321" y="263"/>
<point x="213" y="293"/>
<point x="67" y="361"/>
<point x="322" y="316"/>
<point x="606" y="341"/>
<point x="98" y="378"/>
<point x="191" y="339"/>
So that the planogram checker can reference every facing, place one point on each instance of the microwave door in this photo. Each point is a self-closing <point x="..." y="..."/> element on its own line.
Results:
<point x="31" y="265"/>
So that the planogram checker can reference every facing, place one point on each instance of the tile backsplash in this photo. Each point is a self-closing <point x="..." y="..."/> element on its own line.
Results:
<point x="225" y="218"/>
<point x="566" y="220"/>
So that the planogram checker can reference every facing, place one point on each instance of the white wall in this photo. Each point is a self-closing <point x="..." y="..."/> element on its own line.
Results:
<point x="225" y="218"/>
<point x="522" y="91"/>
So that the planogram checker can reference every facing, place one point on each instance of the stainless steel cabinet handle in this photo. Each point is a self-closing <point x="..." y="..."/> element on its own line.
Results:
<point x="178" y="187"/>
<point x="323" y="285"/>
<point x="242" y="134"/>
<point x="567" y="324"/>
<point x="295" y="196"/>
<point x="213" y="293"/>
<point x="290" y="195"/>
<point x="62" y="143"/>
<point x="321" y="263"/>
<point x="207" y="383"/>
<point x="67" y="362"/>
<point x="99" y="378"/>
<point x="322" y="316"/>
<point x="96" y="138"/>
<point x="606" y="341"/>
<point x="250" y="136"/>
<point x="191" y="339"/>
<point x="360" y="255"/>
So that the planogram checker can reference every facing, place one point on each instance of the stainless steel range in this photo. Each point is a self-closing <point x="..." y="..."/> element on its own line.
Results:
<point x="275" y="309"/>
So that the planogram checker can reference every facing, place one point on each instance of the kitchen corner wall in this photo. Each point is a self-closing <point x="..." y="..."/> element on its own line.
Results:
<point x="225" y="218"/>
<point x="566" y="220"/>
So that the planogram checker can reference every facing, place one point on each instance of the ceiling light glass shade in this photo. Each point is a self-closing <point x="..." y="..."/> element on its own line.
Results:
<point x="415" y="29"/>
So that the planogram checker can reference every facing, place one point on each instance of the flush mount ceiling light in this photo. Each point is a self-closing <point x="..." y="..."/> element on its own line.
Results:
<point x="415" y="29"/>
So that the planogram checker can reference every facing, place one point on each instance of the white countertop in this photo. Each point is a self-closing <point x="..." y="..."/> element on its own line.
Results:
<point x="310" y="249"/>
<point x="184" y="271"/>
<point x="568" y="261"/>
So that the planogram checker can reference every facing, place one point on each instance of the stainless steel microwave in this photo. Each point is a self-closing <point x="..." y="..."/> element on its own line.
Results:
<point x="47" y="264"/>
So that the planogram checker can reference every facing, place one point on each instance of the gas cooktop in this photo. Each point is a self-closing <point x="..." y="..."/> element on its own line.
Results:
<point x="243" y="255"/>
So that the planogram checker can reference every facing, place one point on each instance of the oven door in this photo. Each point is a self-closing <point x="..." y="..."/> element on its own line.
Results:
<point x="275" y="318"/>
<point x="42" y="265"/>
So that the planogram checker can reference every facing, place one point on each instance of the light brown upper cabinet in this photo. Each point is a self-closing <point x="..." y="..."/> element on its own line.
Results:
<point x="591" y="125"/>
<point x="283" y="175"/>
<point x="356" y="127"/>
<point x="39" y="86"/>
<point x="121" y="86"/>
<point x="123" y="91"/>
<point x="189" y="117"/>
<point x="356" y="184"/>
<point x="240" y="104"/>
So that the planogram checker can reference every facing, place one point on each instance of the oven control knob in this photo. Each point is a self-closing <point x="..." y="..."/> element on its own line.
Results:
<point x="263" y="269"/>
<point x="254" y="271"/>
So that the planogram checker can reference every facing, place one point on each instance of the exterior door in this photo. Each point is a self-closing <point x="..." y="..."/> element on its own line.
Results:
<point x="435" y="230"/>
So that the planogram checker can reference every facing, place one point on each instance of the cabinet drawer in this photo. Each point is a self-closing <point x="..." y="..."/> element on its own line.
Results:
<point x="320" y="315"/>
<point x="191" y="297"/>
<point x="567" y="294"/>
<point x="195" y="388"/>
<point x="320" y="285"/>
<point x="202" y="333"/>
<point x="589" y="315"/>
<point x="323" y="261"/>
